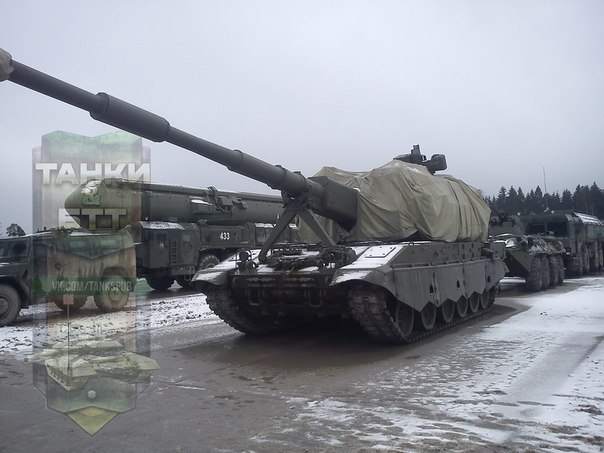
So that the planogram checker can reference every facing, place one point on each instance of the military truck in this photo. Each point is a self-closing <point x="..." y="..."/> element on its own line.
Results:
<point x="537" y="258"/>
<point x="65" y="267"/>
<point x="177" y="230"/>
<point x="384" y="255"/>
<point x="581" y="234"/>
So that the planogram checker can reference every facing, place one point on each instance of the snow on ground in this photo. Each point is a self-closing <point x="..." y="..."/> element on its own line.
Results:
<point x="43" y="325"/>
<point x="535" y="380"/>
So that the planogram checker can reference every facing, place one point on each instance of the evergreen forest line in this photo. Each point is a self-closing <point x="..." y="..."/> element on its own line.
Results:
<point x="585" y="199"/>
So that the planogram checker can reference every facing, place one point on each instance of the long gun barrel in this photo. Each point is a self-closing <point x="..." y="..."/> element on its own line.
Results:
<point x="325" y="197"/>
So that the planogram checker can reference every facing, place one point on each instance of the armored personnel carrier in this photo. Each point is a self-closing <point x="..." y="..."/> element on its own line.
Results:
<point x="538" y="258"/>
<point x="399" y="249"/>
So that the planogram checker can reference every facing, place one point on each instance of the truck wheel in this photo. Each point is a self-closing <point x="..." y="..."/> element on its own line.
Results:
<point x="561" y="274"/>
<point x="545" y="272"/>
<point x="10" y="305"/>
<point x="533" y="279"/>
<point x="585" y="261"/>
<point x="115" y="297"/>
<point x="159" y="282"/>
<point x="207" y="260"/>
<point x="554" y="272"/>
<point x="576" y="266"/>
<point x="78" y="302"/>
<point x="184" y="280"/>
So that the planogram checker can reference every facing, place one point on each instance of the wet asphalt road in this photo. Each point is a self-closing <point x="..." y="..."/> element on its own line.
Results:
<point x="319" y="388"/>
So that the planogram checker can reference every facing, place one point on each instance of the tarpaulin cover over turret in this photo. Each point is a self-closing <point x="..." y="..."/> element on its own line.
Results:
<point x="399" y="199"/>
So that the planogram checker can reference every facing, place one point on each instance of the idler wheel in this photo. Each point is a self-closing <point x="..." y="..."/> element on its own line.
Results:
<point x="461" y="307"/>
<point x="446" y="311"/>
<point x="427" y="316"/>
<point x="474" y="302"/>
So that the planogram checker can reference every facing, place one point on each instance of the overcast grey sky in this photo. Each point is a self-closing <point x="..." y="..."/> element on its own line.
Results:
<point x="503" y="88"/>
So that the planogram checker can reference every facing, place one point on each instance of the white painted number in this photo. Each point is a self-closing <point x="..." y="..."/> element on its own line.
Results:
<point x="225" y="236"/>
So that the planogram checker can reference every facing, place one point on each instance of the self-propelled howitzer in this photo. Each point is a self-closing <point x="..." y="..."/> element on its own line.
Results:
<point x="401" y="250"/>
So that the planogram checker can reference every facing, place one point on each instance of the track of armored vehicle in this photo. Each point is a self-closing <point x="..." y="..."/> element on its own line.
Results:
<point x="371" y="309"/>
<point x="256" y="306"/>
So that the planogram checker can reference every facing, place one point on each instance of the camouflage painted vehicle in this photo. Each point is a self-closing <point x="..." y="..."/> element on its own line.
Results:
<point x="536" y="258"/>
<point x="383" y="256"/>
<point x="65" y="267"/>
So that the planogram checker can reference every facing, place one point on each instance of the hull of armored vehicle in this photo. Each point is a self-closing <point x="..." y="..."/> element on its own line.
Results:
<point x="395" y="291"/>
<point x="537" y="259"/>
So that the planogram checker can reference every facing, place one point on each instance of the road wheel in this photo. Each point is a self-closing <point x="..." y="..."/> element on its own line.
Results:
<point x="474" y="302"/>
<point x="10" y="305"/>
<point x="446" y="311"/>
<point x="427" y="317"/>
<point x="533" y="279"/>
<point x="78" y="302"/>
<point x="403" y="316"/>
<point x="159" y="282"/>
<point x="115" y="293"/>
<point x="461" y="307"/>
<point x="554" y="272"/>
<point x="485" y="300"/>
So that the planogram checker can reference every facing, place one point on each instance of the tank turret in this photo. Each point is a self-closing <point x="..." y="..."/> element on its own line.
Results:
<point x="399" y="249"/>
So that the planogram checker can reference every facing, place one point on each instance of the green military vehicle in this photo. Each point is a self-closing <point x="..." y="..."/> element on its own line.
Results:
<point x="581" y="234"/>
<point x="536" y="258"/>
<point x="177" y="230"/>
<point x="65" y="267"/>
<point x="400" y="250"/>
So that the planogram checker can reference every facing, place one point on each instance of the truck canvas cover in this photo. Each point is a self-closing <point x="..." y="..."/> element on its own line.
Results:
<point x="399" y="199"/>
